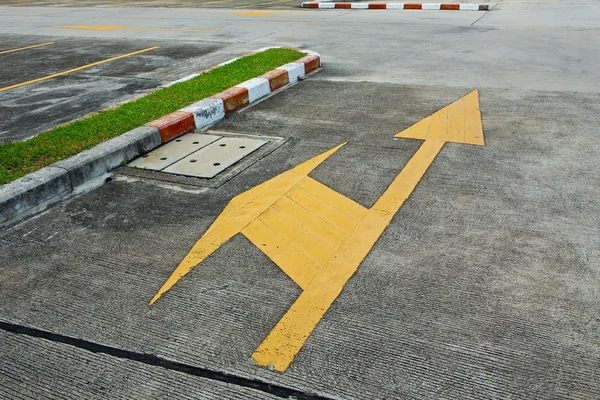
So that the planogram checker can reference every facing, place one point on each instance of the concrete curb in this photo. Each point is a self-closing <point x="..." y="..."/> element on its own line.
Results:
<point x="40" y="189"/>
<point x="397" y="6"/>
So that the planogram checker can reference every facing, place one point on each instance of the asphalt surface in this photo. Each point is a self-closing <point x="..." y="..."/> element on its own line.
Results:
<point x="485" y="284"/>
<point x="39" y="106"/>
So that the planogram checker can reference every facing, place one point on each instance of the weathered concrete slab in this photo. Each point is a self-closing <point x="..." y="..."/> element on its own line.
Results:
<point x="34" y="368"/>
<point x="485" y="285"/>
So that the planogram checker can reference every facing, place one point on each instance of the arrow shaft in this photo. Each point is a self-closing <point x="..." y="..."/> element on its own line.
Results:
<point x="406" y="181"/>
<point x="287" y="338"/>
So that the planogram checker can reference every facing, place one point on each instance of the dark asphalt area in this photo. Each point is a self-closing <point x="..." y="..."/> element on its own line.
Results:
<point x="34" y="108"/>
<point x="484" y="286"/>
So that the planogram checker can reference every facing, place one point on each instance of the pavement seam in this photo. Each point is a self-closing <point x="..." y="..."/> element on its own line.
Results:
<point x="486" y="13"/>
<point x="42" y="188"/>
<point x="157" y="361"/>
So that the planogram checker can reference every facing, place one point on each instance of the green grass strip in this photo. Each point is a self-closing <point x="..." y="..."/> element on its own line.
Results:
<point x="17" y="159"/>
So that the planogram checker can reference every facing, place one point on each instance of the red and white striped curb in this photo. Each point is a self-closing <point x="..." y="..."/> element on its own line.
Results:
<point x="81" y="172"/>
<point x="212" y="109"/>
<point x="398" y="6"/>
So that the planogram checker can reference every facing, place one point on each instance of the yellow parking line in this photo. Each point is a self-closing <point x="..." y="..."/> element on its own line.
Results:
<point x="125" y="28"/>
<point x="76" y="69"/>
<point x="263" y="4"/>
<point x="194" y="4"/>
<point x="25" y="48"/>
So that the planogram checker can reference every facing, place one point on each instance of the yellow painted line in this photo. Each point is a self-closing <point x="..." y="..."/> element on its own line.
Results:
<point x="406" y="181"/>
<point x="125" y="28"/>
<point x="288" y="336"/>
<point x="26" y="48"/>
<point x="77" y="69"/>
<point x="437" y="125"/>
<point x="324" y="210"/>
<point x="473" y="127"/>
<point x="239" y="213"/>
<point x="333" y="198"/>
<point x="294" y="233"/>
<point x="253" y="13"/>
<point x="456" y="121"/>
<point x="200" y="3"/>
<point x="319" y="228"/>
<point x="295" y="264"/>
<point x="417" y="131"/>
<point x="263" y="4"/>
<point x="462" y="124"/>
<point x="315" y="236"/>
<point x="266" y="13"/>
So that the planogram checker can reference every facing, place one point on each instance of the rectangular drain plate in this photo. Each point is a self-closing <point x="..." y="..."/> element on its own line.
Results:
<point x="215" y="157"/>
<point x="173" y="151"/>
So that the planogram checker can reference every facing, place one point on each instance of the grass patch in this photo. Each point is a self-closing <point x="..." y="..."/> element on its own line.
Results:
<point x="20" y="158"/>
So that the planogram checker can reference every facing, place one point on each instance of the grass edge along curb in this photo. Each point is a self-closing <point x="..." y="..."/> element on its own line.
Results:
<point x="39" y="189"/>
<point x="17" y="159"/>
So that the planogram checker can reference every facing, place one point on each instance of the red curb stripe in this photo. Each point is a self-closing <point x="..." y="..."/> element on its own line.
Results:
<point x="412" y="6"/>
<point x="311" y="63"/>
<point x="450" y="7"/>
<point x="233" y="98"/>
<point x="310" y="5"/>
<point x="173" y="125"/>
<point x="278" y="78"/>
<point x="484" y="7"/>
<point x="377" y="6"/>
<point x="343" y="5"/>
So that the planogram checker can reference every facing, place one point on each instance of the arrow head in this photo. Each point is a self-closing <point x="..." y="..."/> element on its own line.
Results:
<point x="459" y="122"/>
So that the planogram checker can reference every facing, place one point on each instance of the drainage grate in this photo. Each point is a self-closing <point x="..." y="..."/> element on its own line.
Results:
<point x="173" y="151"/>
<point x="216" y="157"/>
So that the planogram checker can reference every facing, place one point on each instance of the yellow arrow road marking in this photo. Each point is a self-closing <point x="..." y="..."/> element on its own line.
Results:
<point x="319" y="237"/>
<point x="125" y="28"/>
<point x="77" y="69"/>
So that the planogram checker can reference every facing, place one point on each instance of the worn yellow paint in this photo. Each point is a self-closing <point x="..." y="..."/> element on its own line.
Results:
<point x="263" y="4"/>
<point x="458" y="122"/>
<point x="295" y="264"/>
<point x="26" y="48"/>
<point x="254" y="13"/>
<point x="296" y="235"/>
<point x="77" y="69"/>
<point x="473" y="127"/>
<point x="333" y="198"/>
<point x="239" y="213"/>
<point x="126" y="28"/>
<point x="318" y="236"/>
<point x="184" y="5"/>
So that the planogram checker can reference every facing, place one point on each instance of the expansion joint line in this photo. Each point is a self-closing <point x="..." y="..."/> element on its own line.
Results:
<point x="156" y="361"/>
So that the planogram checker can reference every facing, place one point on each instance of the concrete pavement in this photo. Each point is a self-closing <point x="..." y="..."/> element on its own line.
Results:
<point x="484" y="285"/>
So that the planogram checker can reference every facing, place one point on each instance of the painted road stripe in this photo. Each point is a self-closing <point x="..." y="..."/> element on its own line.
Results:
<point x="263" y="4"/>
<point x="397" y="6"/>
<point x="308" y="232"/>
<point x="26" y="48"/>
<point x="125" y="28"/>
<point x="281" y="252"/>
<point x="77" y="69"/>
